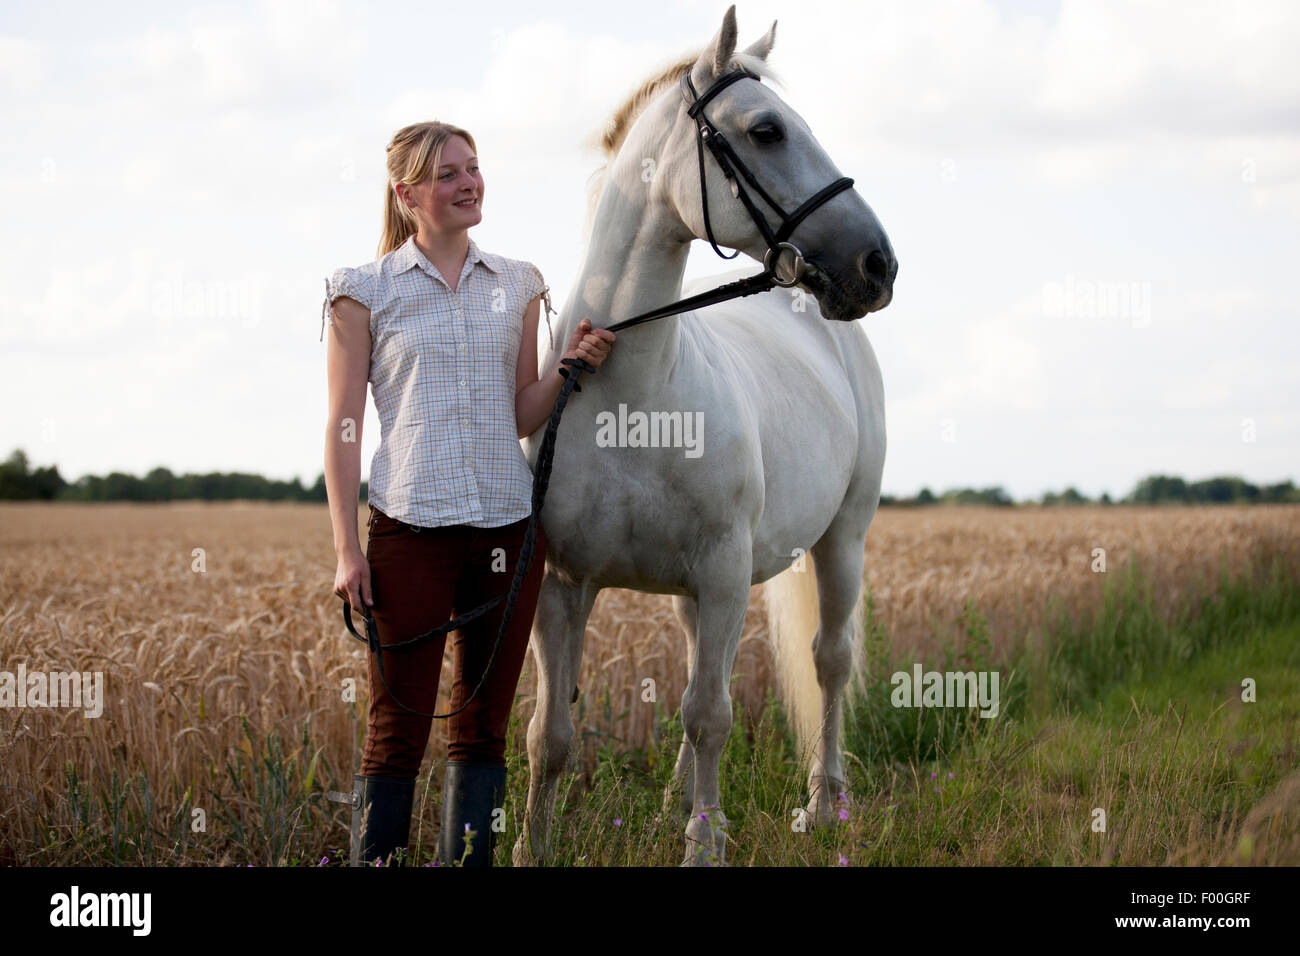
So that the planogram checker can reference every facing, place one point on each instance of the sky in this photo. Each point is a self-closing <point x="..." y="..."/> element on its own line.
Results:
<point x="1094" y="206"/>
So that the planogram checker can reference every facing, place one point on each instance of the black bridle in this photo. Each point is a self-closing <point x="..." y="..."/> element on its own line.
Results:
<point x="777" y="246"/>
<point x="709" y="135"/>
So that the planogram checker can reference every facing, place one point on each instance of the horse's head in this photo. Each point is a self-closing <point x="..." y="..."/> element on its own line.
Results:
<point x="850" y="264"/>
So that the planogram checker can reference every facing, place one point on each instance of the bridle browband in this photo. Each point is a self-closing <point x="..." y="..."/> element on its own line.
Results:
<point x="731" y="164"/>
<point x="777" y="244"/>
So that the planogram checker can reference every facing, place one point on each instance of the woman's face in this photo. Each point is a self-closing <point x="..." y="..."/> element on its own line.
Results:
<point x="457" y="179"/>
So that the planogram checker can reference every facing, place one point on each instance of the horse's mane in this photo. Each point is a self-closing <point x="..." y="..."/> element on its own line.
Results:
<point x="609" y="138"/>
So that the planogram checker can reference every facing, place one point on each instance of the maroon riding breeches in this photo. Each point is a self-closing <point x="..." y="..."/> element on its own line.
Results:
<point x="421" y="578"/>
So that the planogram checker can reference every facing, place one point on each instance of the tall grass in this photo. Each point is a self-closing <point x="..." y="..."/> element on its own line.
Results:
<point x="1130" y="638"/>
<point x="224" y="699"/>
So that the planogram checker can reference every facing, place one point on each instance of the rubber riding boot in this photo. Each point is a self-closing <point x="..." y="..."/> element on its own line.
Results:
<point x="388" y="800"/>
<point x="470" y="793"/>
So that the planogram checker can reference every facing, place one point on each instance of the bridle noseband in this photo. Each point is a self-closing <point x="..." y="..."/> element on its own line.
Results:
<point x="731" y="164"/>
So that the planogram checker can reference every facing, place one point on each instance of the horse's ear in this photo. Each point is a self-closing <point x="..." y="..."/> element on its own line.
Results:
<point x="763" y="46"/>
<point x="712" y="63"/>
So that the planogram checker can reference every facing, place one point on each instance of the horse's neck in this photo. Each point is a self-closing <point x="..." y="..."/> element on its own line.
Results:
<point x="632" y="264"/>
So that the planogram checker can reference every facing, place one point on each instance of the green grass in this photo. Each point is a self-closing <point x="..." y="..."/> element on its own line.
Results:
<point x="1175" y="760"/>
<point x="1130" y="639"/>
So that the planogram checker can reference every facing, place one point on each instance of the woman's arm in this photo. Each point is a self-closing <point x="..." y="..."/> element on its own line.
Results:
<point x="349" y="370"/>
<point x="535" y="397"/>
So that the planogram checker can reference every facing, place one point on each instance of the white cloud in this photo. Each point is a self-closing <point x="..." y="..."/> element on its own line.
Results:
<point x="1104" y="89"/>
<point x="534" y="111"/>
<point x="285" y="52"/>
<point x="24" y="64"/>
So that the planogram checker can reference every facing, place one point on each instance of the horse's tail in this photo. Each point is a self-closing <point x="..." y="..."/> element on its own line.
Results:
<point x="793" y="619"/>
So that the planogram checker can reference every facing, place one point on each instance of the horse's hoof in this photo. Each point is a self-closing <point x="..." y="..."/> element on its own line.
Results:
<point x="702" y="856"/>
<point x="827" y="804"/>
<point x="706" y="840"/>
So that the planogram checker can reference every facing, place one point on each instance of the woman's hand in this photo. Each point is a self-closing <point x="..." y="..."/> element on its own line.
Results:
<point x="352" y="580"/>
<point x="590" y="345"/>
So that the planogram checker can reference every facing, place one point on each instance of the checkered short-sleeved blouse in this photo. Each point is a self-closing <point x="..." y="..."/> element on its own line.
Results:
<point x="442" y="374"/>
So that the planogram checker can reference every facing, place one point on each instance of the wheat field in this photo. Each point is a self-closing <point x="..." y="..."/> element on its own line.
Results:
<point x="191" y="655"/>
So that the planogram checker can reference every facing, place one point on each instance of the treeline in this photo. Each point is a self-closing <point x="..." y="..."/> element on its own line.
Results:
<point x="18" y="481"/>
<point x="1156" y="489"/>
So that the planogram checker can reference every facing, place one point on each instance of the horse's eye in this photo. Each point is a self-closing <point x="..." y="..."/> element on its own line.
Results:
<point x="766" y="133"/>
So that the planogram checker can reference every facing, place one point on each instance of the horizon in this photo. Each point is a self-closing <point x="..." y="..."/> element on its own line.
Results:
<point x="938" y="495"/>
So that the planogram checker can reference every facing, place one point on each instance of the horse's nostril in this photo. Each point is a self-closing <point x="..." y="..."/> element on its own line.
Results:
<point x="875" y="266"/>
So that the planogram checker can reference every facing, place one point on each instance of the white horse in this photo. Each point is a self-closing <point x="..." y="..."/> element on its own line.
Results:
<point x="793" y="442"/>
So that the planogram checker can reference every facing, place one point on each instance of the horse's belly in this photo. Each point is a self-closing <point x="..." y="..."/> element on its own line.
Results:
<point x="654" y="548"/>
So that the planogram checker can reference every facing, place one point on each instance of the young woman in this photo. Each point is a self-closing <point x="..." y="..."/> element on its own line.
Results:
<point x="446" y="334"/>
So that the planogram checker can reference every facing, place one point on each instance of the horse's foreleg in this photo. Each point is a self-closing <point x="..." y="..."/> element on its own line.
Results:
<point x="839" y="558"/>
<point x="558" y="629"/>
<point x="706" y="706"/>
<point x="681" y="789"/>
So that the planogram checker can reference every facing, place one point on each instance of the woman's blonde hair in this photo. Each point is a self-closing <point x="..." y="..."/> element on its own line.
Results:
<point x="414" y="152"/>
